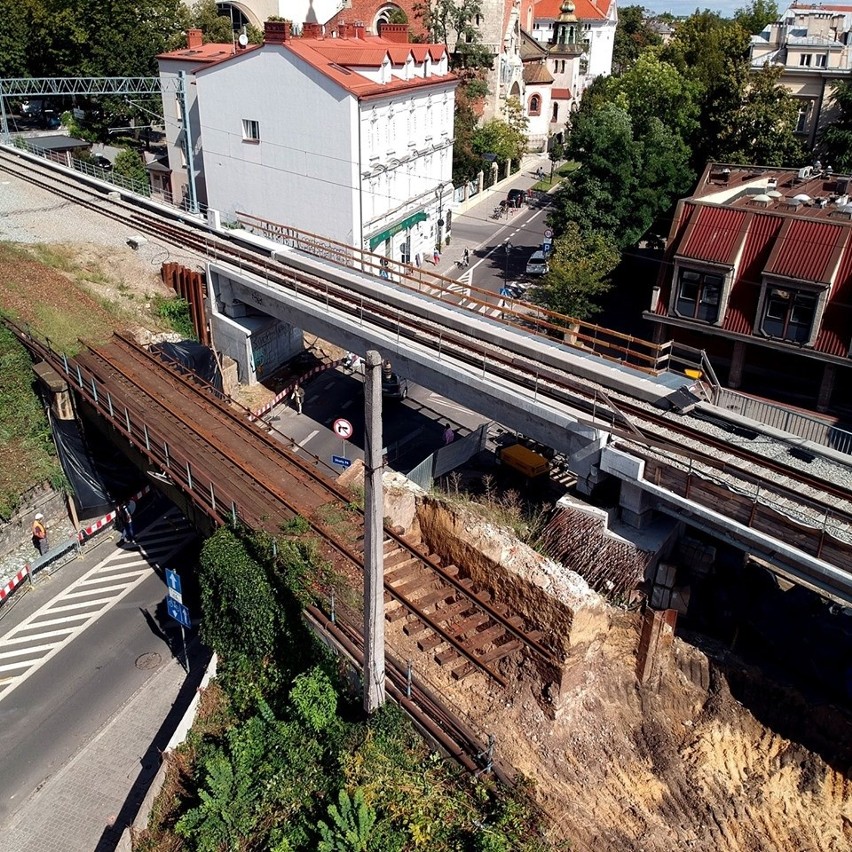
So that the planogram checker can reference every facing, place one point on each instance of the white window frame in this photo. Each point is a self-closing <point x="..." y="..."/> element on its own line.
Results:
<point x="251" y="130"/>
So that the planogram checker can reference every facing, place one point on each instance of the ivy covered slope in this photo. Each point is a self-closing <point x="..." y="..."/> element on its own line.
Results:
<point x="27" y="455"/>
<point x="281" y="759"/>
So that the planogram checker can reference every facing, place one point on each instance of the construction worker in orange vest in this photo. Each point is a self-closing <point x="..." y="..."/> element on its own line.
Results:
<point x="40" y="534"/>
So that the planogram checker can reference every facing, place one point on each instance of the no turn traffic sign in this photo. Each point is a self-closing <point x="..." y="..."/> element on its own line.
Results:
<point x="342" y="428"/>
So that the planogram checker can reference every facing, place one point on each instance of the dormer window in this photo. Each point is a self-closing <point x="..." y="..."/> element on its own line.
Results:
<point x="698" y="295"/>
<point x="789" y="314"/>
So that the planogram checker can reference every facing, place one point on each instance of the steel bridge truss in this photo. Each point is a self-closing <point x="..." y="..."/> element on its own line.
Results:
<point x="25" y="87"/>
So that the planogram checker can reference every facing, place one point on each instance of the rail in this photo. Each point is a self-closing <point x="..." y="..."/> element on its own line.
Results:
<point x="614" y="346"/>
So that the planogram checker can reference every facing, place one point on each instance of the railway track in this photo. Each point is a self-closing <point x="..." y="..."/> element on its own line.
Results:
<point x="681" y="439"/>
<point x="232" y="467"/>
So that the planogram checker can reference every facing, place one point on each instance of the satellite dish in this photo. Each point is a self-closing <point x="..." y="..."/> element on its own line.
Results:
<point x="243" y="40"/>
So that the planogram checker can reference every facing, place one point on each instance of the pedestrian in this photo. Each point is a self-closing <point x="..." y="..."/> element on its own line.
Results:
<point x="298" y="398"/>
<point x="449" y="435"/>
<point x="466" y="258"/>
<point x="436" y="256"/>
<point x="40" y="534"/>
<point x="418" y="261"/>
<point x="125" y="514"/>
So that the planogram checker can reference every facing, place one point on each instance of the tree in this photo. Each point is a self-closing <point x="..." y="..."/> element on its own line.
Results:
<point x="762" y="129"/>
<point x="632" y="36"/>
<point x="453" y="24"/>
<point x="578" y="276"/>
<point x="653" y="88"/>
<point x="128" y="164"/>
<point x="835" y="143"/>
<point x="500" y="138"/>
<point x="754" y="16"/>
<point x="14" y="38"/>
<point x="217" y="28"/>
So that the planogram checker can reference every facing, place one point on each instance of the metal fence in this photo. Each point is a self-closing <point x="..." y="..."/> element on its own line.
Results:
<point x="784" y="419"/>
<point x="448" y="458"/>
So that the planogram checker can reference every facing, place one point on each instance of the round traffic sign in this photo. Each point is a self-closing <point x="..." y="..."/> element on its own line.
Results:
<point x="342" y="428"/>
<point x="548" y="233"/>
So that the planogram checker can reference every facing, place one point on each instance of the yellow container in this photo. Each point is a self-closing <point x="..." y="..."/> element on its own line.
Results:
<point x="523" y="460"/>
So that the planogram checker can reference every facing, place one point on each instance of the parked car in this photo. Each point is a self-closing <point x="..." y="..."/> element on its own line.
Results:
<point x="537" y="264"/>
<point x="101" y="162"/>
<point x="516" y="197"/>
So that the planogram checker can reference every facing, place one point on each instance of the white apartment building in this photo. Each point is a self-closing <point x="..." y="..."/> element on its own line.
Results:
<point x="811" y="42"/>
<point x="348" y="137"/>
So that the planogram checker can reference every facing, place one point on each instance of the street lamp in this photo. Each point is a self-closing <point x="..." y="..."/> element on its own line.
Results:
<point x="439" y="193"/>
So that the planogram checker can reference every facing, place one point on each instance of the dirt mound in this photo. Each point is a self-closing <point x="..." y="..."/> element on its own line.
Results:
<point x="709" y="755"/>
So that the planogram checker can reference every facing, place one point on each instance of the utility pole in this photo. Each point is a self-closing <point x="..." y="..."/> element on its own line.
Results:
<point x="374" y="591"/>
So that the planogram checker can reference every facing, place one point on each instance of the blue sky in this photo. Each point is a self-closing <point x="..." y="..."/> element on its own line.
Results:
<point x="726" y="8"/>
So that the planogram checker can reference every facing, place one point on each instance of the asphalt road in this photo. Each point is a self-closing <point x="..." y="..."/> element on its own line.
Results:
<point x="412" y="428"/>
<point x="64" y="702"/>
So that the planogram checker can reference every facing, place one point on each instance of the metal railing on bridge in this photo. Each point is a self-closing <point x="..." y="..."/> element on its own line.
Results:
<point x="586" y="337"/>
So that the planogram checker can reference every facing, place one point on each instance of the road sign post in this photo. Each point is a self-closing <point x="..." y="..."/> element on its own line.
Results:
<point x="343" y="429"/>
<point x="176" y="609"/>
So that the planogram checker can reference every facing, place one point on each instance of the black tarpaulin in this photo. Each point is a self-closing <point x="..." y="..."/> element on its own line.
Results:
<point x="195" y="357"/>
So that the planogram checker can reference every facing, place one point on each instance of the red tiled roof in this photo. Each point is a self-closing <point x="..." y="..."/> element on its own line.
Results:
<point x="585" y="10"/>
<point x="560" y="94"/>
<point x="836" y="331"/>
<point x="333" y="56"/>
<point x="683" y="215"/>
<point x="203" y="53"/>
<point x="762" y="230"/>
<point x="807" y="250"/>
<point x="714" y="235"/>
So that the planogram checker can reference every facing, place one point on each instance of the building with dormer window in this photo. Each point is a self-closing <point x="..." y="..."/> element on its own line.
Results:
<point x="348" y="137"/>
<point x="758" y="272"/>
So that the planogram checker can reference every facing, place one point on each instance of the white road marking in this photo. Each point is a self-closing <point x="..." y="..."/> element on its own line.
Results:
<point x="309" y="438"/>
<point x="158" y="543"/>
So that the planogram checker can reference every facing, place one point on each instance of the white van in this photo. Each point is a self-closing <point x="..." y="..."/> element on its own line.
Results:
<point x="537" y="264"/>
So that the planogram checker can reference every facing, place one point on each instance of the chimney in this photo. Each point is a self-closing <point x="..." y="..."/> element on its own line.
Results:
<point x="276" y="32"/>
<point x="311" y="30"/>
<point x="360" y="29"/>
<point x="345" y="30"/>
<point x="194" y="39"/>
<point x="394" y="32"/>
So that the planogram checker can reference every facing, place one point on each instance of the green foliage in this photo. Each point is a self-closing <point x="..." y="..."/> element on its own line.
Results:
<point x="14" y="38"/>
<point x="835" y="143"/>
<point x="128" y="164"/>
<point x="579" y="273"/>
<point x="314" y="699"/>
<point x="351" y="825"/>
<point x="754" y="16"/>
<point x="240" y="613"/>
<point x="175" y="312"/>
<point x="632" y="36"/>
<point x="762" y="129"/>
<point x="26" y="446"/>
<point x="217" y="28"/>
<point x="295" y="526"/>
<point x="499" y="137"/>
<point x="453" y="24"/>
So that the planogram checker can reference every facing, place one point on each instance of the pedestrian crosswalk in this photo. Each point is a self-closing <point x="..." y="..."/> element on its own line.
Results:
<point x="29" y="645"/>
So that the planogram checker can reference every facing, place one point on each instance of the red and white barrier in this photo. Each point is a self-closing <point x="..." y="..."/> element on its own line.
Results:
<point x="108" y="518"/>
<point x="258" y="413"/>
<point x="14" y="583"/>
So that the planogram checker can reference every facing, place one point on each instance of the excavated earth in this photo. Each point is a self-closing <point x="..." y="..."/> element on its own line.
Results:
<point x="708" y="755"/>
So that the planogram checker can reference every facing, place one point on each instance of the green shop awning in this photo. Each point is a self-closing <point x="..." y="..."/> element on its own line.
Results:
<point x="404" y="225"/>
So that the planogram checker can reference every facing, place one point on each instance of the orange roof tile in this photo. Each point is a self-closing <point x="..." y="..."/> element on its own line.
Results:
<point x="338" y="59"/>
<point x="203" y="54"/>
<point x="585" y="10"/>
